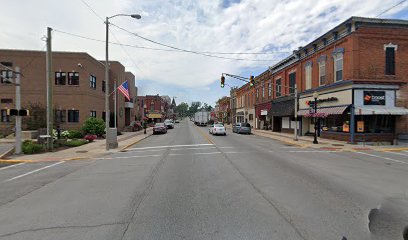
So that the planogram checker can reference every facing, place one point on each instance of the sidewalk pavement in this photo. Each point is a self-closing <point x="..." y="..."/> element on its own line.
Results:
<point x="324" y="144"/>
<point x="94" y="149"/>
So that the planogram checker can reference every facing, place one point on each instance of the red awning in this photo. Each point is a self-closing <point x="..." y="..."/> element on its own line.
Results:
<point x="323" y="112"/>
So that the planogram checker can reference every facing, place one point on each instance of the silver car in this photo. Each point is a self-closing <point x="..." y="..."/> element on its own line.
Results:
<point x="242" y="128"/>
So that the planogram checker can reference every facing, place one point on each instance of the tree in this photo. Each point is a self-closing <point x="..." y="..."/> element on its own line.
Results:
<point x="94" y="126"/>
<point x="182" y="109"/>
<point x="194" y="108"/>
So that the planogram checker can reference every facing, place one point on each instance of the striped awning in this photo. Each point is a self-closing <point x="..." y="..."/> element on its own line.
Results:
<point x="323" y="112"/>
<point x="380" y="110"/>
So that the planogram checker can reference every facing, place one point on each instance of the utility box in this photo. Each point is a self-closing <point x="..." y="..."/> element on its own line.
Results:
<point x="112" y="138"/>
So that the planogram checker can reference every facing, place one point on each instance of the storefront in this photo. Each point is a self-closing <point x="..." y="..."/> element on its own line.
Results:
<point x="282" y="114"/>
<point x="155" y="117"/>
<point x="240" y="116"/>
<point x="352" y="112"/>
<point x="261" y="111"/>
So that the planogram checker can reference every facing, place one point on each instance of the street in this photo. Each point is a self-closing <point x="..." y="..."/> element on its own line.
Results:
<point x="188" y="184"/>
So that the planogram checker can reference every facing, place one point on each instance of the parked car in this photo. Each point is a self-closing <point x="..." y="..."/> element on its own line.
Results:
<point x="159" y="128"/>
<point x="210" y="128"/>
<point x="218" y="129"/>
<point x="242" y="128"/>
<point x="169" y="123"/>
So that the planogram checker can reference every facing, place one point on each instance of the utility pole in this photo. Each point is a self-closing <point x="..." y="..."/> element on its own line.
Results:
<point x="296" y="113"/>
<point x="114" y="101"/>
<point x="49" y="91"/>
<point x="18" y="117"/>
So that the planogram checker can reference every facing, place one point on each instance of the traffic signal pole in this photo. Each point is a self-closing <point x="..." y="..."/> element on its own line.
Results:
<point x="17" y="148"/>
<point x="49" y="91"/>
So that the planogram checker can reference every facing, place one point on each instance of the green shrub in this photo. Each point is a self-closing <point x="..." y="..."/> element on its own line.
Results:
<point x="76" y="143"/>
<point x="29" y="147"/>
<point x="74" y="134"/>
<point x="94" y="126"/>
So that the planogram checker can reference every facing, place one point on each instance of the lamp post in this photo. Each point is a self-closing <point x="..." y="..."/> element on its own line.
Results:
<point x="109" y="139"/>
<point x="315" y="96"/>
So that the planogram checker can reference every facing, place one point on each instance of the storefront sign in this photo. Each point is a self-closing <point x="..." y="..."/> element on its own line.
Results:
<point x="374" y="97"/>
<point x="360" y="126"/>
<point x="330" y="99"/>
<point x="264" y="112"/>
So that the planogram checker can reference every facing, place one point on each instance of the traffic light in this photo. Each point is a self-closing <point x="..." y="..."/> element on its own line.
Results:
<point x="222" y="81"/>
<point x="251" y="81"/>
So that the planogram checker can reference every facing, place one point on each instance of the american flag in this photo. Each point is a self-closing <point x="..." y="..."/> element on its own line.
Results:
<point x="124" y="88"/>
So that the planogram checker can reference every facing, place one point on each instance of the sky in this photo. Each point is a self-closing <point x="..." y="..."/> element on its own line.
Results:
<point x="212" y="29"/>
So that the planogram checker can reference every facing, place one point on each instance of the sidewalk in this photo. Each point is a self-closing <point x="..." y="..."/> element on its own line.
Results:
<point x="324" y="144"/>
<point x="87" y="151"/>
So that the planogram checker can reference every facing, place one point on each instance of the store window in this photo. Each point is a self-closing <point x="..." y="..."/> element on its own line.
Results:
<point x="278" y="87"/>
<point x="60" y="78"/>
<point x="308" y="73"/>
<point x="73" y="116"/>
<point x="292" y="82"/>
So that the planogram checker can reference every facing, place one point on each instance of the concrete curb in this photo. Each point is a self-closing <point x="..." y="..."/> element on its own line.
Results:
<point x="16" y="161"/>
<point x="123" y="149"/>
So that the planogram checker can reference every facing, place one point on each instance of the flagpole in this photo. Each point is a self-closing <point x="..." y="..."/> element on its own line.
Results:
<point x="114" y="125"/>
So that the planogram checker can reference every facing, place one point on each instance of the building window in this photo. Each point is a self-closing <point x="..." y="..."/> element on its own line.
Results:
<point x="257" y="94"/>
<point x="152" y="106"/>
<point x="308" y="72"/>
<point x="6" y="76"/>
<point x="390" y="61"/>
<point x="269" y="90"/>
<point x="93" y="114"/>
<point x="4" y="116"/>
<point x="263" y="91"/>
<point x="251" y="117"/>
<point x="278" y="87"/>
<point x="73" y="78"/>
<point x="73" y="115"/>
<point x="338" y="66"/>
<point x="60" y="116"/>
<point x="322" y="73"/>
<point x="60" y="78"/>
<point x="6" y="100"/>
<point x="103" y="86"/>
<point x="92" y="81"/>
<point x="292" y="82"/>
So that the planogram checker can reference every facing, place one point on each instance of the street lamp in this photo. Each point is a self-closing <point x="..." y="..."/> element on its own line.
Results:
<point x="315" y="96"/>
<point x="109" y="139"/>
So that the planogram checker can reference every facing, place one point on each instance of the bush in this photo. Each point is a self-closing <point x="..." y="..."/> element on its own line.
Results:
<point x="73" y="134"/>
<point x="29" y="147"/>
<point x="95" y="126"/>
<point x="76" y="143"/>
<point x="90" y="137"/>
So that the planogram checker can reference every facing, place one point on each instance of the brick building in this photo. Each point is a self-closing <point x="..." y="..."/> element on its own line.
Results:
<point x="223" y="109"/>
<point x="152" y="108"/>
<point x="78" y="86"/>
<point x="358" y="70"/>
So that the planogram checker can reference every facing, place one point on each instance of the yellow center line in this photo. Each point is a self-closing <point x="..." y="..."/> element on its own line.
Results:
<point x="205" y="135"/>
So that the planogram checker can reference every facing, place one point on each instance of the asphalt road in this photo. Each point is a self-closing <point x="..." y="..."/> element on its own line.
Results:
<point x="188" y="184"/>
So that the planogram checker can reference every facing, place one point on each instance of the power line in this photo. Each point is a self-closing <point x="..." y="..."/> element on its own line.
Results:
<point x="159" y="49"/>
<point x="391" y="8"/>
<point x="190" y="51"/>
<point x="90" y="8"/>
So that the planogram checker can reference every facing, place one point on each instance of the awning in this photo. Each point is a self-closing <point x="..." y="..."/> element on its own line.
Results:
<point x="323" y="112"/>
<point x="380" y="110"/>
<point x="154" y="115"/>
<point x="241" y="113"/>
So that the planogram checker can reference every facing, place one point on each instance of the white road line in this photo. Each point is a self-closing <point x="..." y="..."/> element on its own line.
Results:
<point x="188" y="145"/>
<point x="14" y="165"/>
<point x="180" y="149"/>
<point x="128" y="157"/>
<point x="34" y="171"/>
<point x="226" y="147"/>
<point x="153" y="150"/>
<point x="387" y="158"/>
<point x="312" y="151"/>
<point x="181" y="154"/>
<point x="399" y="154"/>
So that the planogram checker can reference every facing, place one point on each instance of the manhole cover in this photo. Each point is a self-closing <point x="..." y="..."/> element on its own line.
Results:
<point x="82" y="151"/>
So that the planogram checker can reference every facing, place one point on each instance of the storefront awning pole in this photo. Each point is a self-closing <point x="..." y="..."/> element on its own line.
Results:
<point x="296" y="113"/>
<point x="352" y="128"/>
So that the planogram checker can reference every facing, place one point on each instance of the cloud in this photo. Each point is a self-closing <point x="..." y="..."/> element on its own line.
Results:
<point x="213" y="26"/>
